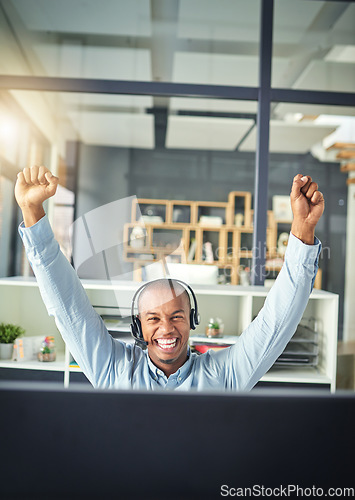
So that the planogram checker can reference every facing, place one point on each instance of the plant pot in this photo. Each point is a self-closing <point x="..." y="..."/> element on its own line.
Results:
<point x="212" y="332"/>
<point x="6" y="351"/>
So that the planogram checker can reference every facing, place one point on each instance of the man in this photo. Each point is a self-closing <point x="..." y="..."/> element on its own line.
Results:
<point x="164" y="312"/>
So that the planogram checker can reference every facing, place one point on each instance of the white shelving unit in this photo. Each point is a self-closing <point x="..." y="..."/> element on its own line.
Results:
<point x="21" y="303"/>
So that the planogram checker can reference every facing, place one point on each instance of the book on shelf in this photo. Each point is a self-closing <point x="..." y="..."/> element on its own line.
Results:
<point x="202" y="343"/>
<point x="207" y="252"/>
<point x="192" y="250"/>
<point x="117" y="323"/>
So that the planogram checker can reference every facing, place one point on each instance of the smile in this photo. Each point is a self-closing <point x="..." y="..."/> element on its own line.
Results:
<point x="166" y="344"/>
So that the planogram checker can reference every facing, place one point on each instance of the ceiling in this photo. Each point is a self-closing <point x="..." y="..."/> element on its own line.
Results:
<point x="188" y="41"/>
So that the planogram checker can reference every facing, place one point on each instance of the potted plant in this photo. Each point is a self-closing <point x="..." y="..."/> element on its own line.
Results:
<point x="214" y="328"/>
<point x="8" y="334"/>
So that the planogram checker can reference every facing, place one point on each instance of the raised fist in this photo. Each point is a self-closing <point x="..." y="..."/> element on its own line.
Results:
<point x="307" y="206"/>
<point x="33" y="186"/>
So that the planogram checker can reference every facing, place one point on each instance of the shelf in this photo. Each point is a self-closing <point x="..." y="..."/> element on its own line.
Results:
<point x="236" y="305"/>
<point x="58" y="365"/>
<point x="181" y="223"/>
<point x="348" y="167"/>
<point x="131" y="286"/>
<point x="341" y="145"/>
<point x="308" y="375"/>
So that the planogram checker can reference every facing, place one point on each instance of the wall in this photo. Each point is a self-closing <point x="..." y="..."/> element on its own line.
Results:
<point x="102" y="177"/>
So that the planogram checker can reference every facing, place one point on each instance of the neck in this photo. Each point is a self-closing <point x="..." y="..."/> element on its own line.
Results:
<point x="168" y="367"/>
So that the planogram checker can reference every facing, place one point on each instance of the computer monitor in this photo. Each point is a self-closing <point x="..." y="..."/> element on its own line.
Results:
<point x="193" y="274"/>
<point x="82" y="443"/>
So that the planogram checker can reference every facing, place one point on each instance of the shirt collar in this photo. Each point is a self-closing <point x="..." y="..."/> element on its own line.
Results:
<point x="182" y="372"/>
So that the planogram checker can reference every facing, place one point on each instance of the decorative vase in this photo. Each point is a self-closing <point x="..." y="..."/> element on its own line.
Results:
<point x="6" y="351"/>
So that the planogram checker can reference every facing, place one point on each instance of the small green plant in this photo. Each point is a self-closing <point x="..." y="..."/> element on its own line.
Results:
<point x="213" y="323"/>
<point x="9" y="333"/>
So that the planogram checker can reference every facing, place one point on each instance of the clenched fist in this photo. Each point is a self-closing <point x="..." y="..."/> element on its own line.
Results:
<point x="307" y="206"/>
<point x="33" y="186"/>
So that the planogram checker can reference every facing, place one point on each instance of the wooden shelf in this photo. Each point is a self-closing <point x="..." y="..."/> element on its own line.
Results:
<point x="342" y="145"/>
<point x="245" y="199"/>
<point x="346" y="154"/>
<point x="227" y="243"/>
<point x="347" y="167"/>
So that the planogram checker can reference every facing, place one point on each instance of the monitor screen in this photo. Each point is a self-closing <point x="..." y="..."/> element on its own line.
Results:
<point x="82" y="443"/>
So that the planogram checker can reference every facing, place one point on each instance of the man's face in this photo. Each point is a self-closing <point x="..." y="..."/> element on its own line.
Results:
<point x="165" y="320"/>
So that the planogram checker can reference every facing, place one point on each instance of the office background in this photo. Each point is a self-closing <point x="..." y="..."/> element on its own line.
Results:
<point x="177" y="99"/>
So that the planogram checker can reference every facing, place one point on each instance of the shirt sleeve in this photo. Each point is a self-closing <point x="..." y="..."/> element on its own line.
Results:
<point x="99" y="356"/>
<point x="243" y="364"/>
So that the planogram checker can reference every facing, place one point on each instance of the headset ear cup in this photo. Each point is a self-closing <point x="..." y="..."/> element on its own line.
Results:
<point x="139" y="329"/>
<point x="133" y="328"/>
<point x="192" y="319"/>
<point x="136" y="328"/>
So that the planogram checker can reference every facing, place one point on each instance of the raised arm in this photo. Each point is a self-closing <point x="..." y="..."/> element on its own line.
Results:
<point x="266" y="337"/>
<point x="101" y="358"/>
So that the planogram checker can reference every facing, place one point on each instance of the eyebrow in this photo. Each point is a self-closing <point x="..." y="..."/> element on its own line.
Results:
<point x="157" y="314"/>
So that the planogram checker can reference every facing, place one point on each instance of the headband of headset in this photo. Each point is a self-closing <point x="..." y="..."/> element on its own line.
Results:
<point x="136" y="326"/>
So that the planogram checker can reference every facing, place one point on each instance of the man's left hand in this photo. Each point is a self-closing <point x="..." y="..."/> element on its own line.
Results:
<point x="307" y="207"/>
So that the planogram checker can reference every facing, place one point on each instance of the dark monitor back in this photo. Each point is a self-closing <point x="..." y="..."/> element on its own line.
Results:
<point x="81" y="443"/>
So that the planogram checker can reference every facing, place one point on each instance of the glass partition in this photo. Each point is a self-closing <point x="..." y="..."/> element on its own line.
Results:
<point x="179" y="164"/>
<point x="315" y="41"/>
<point x="314" y="140"/>
<point x="190" y="41"/>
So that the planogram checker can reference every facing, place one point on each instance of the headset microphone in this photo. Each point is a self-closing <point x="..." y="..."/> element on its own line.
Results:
<point x="140" y="342"/>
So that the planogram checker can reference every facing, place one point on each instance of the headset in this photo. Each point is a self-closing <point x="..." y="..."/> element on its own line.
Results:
<point x="136" y="326"/>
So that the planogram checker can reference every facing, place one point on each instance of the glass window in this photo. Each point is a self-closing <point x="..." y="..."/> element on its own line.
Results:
<point x="21" y="143"/>
<point x="316" y="42"/>
<point x="190" y="41"/>
<point x="314" y="140"/>
<point x="168" y="154"/>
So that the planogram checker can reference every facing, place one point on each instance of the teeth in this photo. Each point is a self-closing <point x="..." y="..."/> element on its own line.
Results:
<point x="166" y="343"/>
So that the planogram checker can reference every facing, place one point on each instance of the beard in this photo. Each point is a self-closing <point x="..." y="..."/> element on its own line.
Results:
<point x="167" y="361"/>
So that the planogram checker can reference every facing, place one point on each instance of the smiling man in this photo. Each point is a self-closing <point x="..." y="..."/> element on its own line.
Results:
<point x="164" y="311"/>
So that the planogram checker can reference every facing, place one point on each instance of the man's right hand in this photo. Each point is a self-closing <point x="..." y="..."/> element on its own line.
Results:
<point x="33" y="186"/>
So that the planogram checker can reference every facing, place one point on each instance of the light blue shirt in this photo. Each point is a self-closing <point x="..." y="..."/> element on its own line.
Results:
<point x="110" y="363"/>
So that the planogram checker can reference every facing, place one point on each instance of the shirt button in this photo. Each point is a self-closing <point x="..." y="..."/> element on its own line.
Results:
<point x="179" y="379"/>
